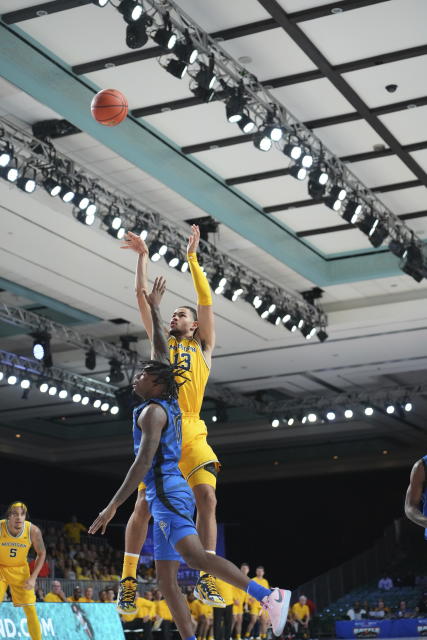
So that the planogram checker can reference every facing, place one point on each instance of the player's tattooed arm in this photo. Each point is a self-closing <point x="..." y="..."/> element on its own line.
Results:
<point x="159" y="345"/>
<point x="151" y="421"/>
<point x="414" y="495"/>
<point x="40" y="549"/>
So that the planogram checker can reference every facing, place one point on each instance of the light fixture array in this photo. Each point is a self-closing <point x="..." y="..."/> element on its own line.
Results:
<point x="115" y="213"/>
<point x="30" y="375"/>
<point x="215" y="75"/>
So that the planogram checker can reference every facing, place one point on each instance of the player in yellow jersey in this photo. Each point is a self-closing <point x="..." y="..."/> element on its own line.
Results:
<point x="239" y="600"/>
<point x="191" y="342"/>
<point x="257" y="613"/>
<point x="17" y="536"/>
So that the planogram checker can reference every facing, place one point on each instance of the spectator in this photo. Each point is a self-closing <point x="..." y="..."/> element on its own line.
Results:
<point x="367" y="607"/>
<point x="111" y="595"/>
<point x="142" y="619"/>
<point x="356" y="612"/>
<point x="301" y="615"/>
<point x="223" y="617"/>
<point x="312" y="607"/>
<point x="69" y="572"/>
<point x="403" y="611"/>
<point x="74" y="529"/>
<point x="44" y="571"/>
<point x="163" y="616"/>
<point x="386" y="583"/>
<point x="88" y="596"/>
<point x="380" y="612"/>
<point x="422" y="604"/>
<point x="56" y="594"/>
<point x="39" y="595"/>
<point x="102" y="595"/>
<point x="77" y="594"/>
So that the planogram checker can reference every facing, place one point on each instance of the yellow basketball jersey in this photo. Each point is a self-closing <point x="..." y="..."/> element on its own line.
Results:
<point x="187" y="353"/>
<point x="14" y="549"/>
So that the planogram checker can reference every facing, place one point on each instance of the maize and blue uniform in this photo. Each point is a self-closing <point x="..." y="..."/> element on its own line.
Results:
<point x="169" y="497"/>
<point x="425" y="493"/>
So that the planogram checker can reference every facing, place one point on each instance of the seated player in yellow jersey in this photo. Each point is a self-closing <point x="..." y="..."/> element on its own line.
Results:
<point x="258" y="614"/>
<point x="239" y="600"/>
<point x="17" y="536"/>
<point x="191" y="341"/>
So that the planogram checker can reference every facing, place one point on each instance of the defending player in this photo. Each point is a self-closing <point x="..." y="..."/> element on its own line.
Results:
<point x="17" y="535"/>
<point x="417" y="494"/>
<point x="157" y="438"/>
<point x="191" y="342"/>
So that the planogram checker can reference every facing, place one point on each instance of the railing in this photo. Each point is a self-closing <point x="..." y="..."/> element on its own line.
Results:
<point x="98" y="585"/>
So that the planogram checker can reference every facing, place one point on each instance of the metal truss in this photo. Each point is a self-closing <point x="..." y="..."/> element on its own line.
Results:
<point x="23" y="318"/>
<point x="42" y="157"/>
<point x="33" y="370"/>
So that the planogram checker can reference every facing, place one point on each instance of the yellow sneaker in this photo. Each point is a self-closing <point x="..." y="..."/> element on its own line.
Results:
<point x="127" y="595"/>
<point x="206" y="591"/>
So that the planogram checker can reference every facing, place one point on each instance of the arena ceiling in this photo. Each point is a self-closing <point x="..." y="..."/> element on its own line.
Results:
<point x="329" y="64"/>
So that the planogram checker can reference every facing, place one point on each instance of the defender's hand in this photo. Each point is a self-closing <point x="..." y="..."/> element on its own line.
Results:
<point x="155" y="297"/>
<point x="134" y="242"/>
<point x="103" y="519"/>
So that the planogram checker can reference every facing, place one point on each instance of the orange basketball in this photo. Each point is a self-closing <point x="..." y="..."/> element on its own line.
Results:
<point x="109" y="107"/>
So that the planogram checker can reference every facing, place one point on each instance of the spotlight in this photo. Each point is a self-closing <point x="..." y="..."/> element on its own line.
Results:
<point x="390" y="409"/>
<point x="378" y="234"/>
<point x="6" y="155"/>
<point x="136" y="32"/>
<point x="63" y="394"/>
<point x="266" y="307"/>
<point x="76" y="397"/>
<point x="113" y="219"/>
<point x="369" y="411"/>
<point x="293" y="150"/>
<point x="27" y="182"/>
<point x="335" y="198"/>
<point x="322" y="335"/>
<point x="100" y="3"/>
<point x="12" y="379"/>
<point x="67" y="192"/>
<point x="352" y="211"/>
<point x="414" y="262"/>
<point x="274" y="131"/>
<point x="91" y="210"/>
<point x="25" y="383"/>
<point x="85" y="218"/>
<point x="157" y="250"/>
<point x="275" y="422"/>
<point x="177" y="68"/>
<point x="172" y="259"/>
<point x="303" y="419"/>
<point x="105" y="406"/>
<point x="398" y="248"/>
<point x="308" y="331"/>
<point x="317" y="182"/>
<point x="312" y="417"/>
<point x="52" y="390"/>
<point x="368" y="223"/>
<point x="290" y="325"/>
<point x="52" y="186"/>
<point x="85" y="400"/>
<point x="206" y="77"/>
<point x="348" y="413"/>
<point x="307" y="159"/>
<point x="408" y="406"/>
<point x="298" y="172"/>
<point x="246" y="124"/>
<point x="234" y="106"/>
<point x="43" y="387"/>
<point x="291" y="421"/>
<point x="234" y="290"/>
<point x="10" y="172"/>
<point x="214" y="419"/>
<point x="97" y="403"/>
<point x="131" y="10"/>
<point x="165" y="38"/>
<point x="114" y="410"/>
<point x="330" y="416"/>
<point x="1" y="375"/>
<point x="81" y="200"/>
<point x="90" y="359"/>
<point x="286" y="318"/>
<point x="41" y="347"/>
<point x="262" y="141"/>
<point x="218" y="282"/>
<point x="186" y="50"/>
<point x="139" y="230"/>
<point x="116" y="373"/>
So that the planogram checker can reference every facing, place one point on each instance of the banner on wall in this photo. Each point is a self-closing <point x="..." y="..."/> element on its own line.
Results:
<point x="64" y="621"/>
<point x="400" y="628"/>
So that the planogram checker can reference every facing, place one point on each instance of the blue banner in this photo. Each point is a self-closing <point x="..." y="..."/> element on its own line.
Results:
<point x="405" y="628"/>
<point x="64" y="621"/>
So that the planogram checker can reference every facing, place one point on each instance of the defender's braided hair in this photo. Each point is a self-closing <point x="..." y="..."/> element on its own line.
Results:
<point x="167" y="374"/>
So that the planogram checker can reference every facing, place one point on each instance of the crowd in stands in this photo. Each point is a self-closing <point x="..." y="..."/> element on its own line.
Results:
<point x="382" y="611"/>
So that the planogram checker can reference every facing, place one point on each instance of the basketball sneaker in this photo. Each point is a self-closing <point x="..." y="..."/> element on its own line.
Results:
<point x="127" y="595"/>
<point x="277" y="605"/>
<point x="206" y="591"/>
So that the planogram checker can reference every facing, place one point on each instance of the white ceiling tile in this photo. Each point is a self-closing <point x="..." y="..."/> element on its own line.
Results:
<point x="421" y="158"/>
<point x="275" y="191"/>
<point x="291" y="6"/>
<point x="407" y="126"/>
<point x="313" y="100"/>
<point x="223" y="14"/>
<point x="340" y="241"/>
<point x="406" y="200"/>
<point x="242" y="159"/>
<point x="312" y="217"/>
<point x="381" y="171"/>
<point x="350" y="137"/>
<point x="369" y="31"/>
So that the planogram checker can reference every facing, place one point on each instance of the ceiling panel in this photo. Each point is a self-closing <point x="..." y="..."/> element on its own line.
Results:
<point x="222" y="14"/>
<point x="299" y="5"/>
<point x="275" y="190"/>
<point x="369" y="31"/>
<point x="312" y="100"/>
<point x="405" y="200"/>
<point x="349" y="138"/>
<point x="421" y="158"/>
<point x="312" y="217"/>
<point x="240" y="160"/>
<point x="382" y="171"/>
<point x="352" y="240"/>
<point x="407" y="126"/>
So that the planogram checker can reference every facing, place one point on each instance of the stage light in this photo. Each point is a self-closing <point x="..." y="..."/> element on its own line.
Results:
<point x="165" y="38"/>
<point x="312" y="417"/>
<point x="97" y="403"/>
<point x="266" y="307"/>
<point x="114" y="410"/>
<point x="246" y="124"/>
<point x="218" y="282"/>
<point x="105" y="406"/>
<point x="274" y="131"/>
<point x="131" y="10"/>
<point x="76" y="397"/>
<point x="234" y="290"/>
<point x="177" y="68"/>
<point x="352" y="211"/>
<point x="262" y="141"/>
<point x="63" y="394"/>
<point x="308" y="330"/>
<point x="378" y="234"/>
<point x="398" y="248"/>
<point x="408" y="406"/>
<point x="85" y="400"/>
<point x="317" y="182"/>
<point x="206" y="77"/>
<point x="291" y="421"/>
<point x="6" y="155"/>
<point x="136" y="32"/>
<point x="303" y="419"/>
<point x="348" y="413"/>
<point x="113" y="220"/>
<point x="52" y="390"/>
<point x="1" y="375"/>
<point x="275" y="422"/>
<point x="67" y="192"/>
<point x="369" y="411"/>
<point x="43" y="387"/>
<point x="25" y="383"/>
<point x="335" y="198"/>
<point x="10" y="172"/>
<point x="27" y="182"/>
<point x="330" y="415"/>
<point x="85" y="218"/>
<point x="90" y="359"/>
<point x="186" y="50"/>
<point x="156" y="250"/>
<point x="307" y="159"/>
<point x="290" y="325"/>
<point x="368" y="223"/>
<point x="390" y="409"/>
<point x="81" y="200"/>
<point x="293" y="150"/>
<point x="100" y="3"/>
<point x="286" y="318"/>
<point x="298" y="172"/>
<point x="12" y="379"/>
<point x="116" y="373"/>
<point x="414" y="262"/>
<point x="322" y="335"/>
<point x="41" y="347"/>
<point x="234" y="106"/>
<point x="139" y="230"/>
<point x="52" y="186"/>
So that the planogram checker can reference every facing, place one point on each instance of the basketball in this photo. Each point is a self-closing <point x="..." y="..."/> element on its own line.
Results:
<point x="109" y="107"/>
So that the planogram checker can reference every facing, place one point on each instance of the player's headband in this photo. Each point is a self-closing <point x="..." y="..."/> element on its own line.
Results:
<point x="17" y="504"/>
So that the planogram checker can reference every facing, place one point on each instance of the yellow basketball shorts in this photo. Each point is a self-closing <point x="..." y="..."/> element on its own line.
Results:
<point x="237" y="609"/>
<point x="196" y="453"/>
<point x="15" y="578"/>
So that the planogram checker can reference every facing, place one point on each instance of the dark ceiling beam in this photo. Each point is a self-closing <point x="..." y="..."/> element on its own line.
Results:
<point x="315" y="124"/>
<point x="273" y="83"/>
<point x="347" y="227"/>
<point x="356" y="157"/>
<point x="307" y="46"/>
<point x="40" y="10"/>
<point x="298" y="204"/>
